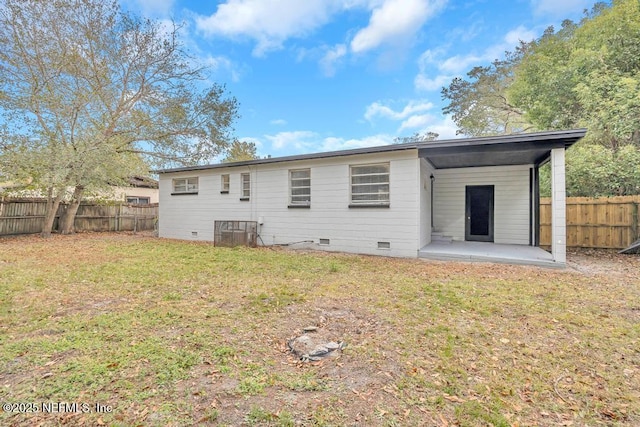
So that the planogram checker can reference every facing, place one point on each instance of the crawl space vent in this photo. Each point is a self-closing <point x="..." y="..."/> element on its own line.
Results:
<point x="235" y="233"/>
<point x="324" y="241"/>
<point x="384" y="245"/>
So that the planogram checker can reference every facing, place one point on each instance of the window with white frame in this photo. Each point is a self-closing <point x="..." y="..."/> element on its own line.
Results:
<point x="185" y="185"/>
<point x="224" y="183"/>
<point x="370" y="185"/>
<point x="136" y="200"/>
<point x="300" y="187"/>
<point x="245" y="189"/>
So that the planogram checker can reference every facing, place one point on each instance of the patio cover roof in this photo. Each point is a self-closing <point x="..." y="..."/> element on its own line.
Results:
<point x="518" y="149"/>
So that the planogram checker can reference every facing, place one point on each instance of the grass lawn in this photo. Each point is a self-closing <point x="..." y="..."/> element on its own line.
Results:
<point x="163" y="333"/>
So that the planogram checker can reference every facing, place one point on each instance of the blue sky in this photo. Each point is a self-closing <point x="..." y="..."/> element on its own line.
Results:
<point x="320" y="75"/>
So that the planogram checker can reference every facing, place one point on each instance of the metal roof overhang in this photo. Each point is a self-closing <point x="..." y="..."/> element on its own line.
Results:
<point x="521" y="149"/>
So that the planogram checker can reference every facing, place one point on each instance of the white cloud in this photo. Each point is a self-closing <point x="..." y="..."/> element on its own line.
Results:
<point x="513" y="37"/>
<point x="221" y="63"/>
<point x="331" y="58"/>
<point x="303" y="142"/>
<point x="268" y="23"/>
<point x="271" y="23"/>
<point x="423" y="82"/>
<point x="559" y="9"/>
<point x="442" y="125"/>
<point x="394" y="20"/>
<point x="335" y="144"/>
<point x="259" y="145"/>
<point x="299" y="141"/>
<point x="278" y="122"/>
<point x="460" y="63"/>
<point x="431" y="62"/>
<point x="416" y="121"/>
<point x="414" y="117"/>
<point x="379" y="110"/>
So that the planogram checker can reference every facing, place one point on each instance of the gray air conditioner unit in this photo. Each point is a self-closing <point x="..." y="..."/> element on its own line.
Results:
<point x="235" y="233"/>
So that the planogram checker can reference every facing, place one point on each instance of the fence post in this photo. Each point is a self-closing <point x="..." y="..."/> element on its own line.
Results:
<point x="635" y="222"/>
<point x="118" y="215"/>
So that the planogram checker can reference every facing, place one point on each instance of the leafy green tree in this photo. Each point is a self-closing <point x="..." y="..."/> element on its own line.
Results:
<point x="586" y="75"/>
<point x="240" y="151"/>
<point x="594" y="170"/>
<point x="90" y="94"/>
<point x="479" y="105"/>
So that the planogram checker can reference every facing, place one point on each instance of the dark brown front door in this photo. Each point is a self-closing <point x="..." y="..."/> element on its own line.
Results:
<point x="479" y="213"/>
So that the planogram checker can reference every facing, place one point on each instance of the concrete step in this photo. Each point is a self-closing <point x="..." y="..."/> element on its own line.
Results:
<point x="440" y="238"/>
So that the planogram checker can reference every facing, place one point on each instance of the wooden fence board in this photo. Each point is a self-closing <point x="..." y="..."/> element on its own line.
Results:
<point x="608" y="222"/>
<point x="26" y="216"/>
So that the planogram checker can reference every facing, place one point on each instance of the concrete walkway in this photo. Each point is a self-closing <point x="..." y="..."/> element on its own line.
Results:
<point x="489" y="252"/>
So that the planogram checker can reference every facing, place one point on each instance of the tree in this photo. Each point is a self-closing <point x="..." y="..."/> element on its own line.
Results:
<point x="90" y="94"/>
<point x="240" y="151"/>
<point x="417" y="137"/>
<point x="479" y="105"/>
<point x="586" y="75"/>
<point x="594" y="170"/>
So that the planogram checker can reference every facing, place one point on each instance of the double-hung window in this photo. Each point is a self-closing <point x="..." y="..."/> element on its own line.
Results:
<point x="300" y="187"/>
<point x="224" y="183"/>
<point x="185" y="185"/>
<point x="370" y="185"/>
<point x="245" y="189"/>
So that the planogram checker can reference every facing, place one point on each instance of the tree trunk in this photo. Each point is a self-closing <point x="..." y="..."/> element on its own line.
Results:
<point x="69" y="215"/>
<point x="50" y="211"/>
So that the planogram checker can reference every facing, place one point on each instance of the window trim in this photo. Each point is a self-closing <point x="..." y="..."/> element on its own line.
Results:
<point x="147" y="200"/>
<point x="299" y="204"/>
<point x="369" y="203"/>
<point x="245" y="193"/>
<point x="225" y="183"/>
<point x="187" y="190"/>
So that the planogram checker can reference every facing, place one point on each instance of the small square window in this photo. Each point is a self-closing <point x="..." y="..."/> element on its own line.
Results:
<point x="224" y="183"/>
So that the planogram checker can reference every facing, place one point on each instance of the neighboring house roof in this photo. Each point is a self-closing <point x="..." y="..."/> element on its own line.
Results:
<point x="525" y="148"/>
<point x="142" y="182"/>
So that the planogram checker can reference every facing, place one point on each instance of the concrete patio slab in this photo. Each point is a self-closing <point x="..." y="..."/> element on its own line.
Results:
<point x="489" y="252"/>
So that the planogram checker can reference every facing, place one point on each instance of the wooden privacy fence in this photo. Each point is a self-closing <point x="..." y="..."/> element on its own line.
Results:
<point x="607" y="222"/>
<point x="26" y="216"/>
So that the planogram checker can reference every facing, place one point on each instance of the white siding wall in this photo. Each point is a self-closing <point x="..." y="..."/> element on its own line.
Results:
<point x="511" y="201"/>
<point x="355" y="230"/>
<point x="424" y="190"/>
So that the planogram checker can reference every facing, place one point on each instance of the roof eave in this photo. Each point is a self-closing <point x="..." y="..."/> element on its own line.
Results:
<point x="568" y="138"/>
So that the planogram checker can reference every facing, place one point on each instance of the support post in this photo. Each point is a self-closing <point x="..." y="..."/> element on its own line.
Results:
<point x="558" y="207"/>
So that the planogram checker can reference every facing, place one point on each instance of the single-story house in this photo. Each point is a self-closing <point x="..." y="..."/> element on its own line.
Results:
<point x="141" y="190"/>
<point x="138" y="190"/>
<point x="475" y="198"/>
